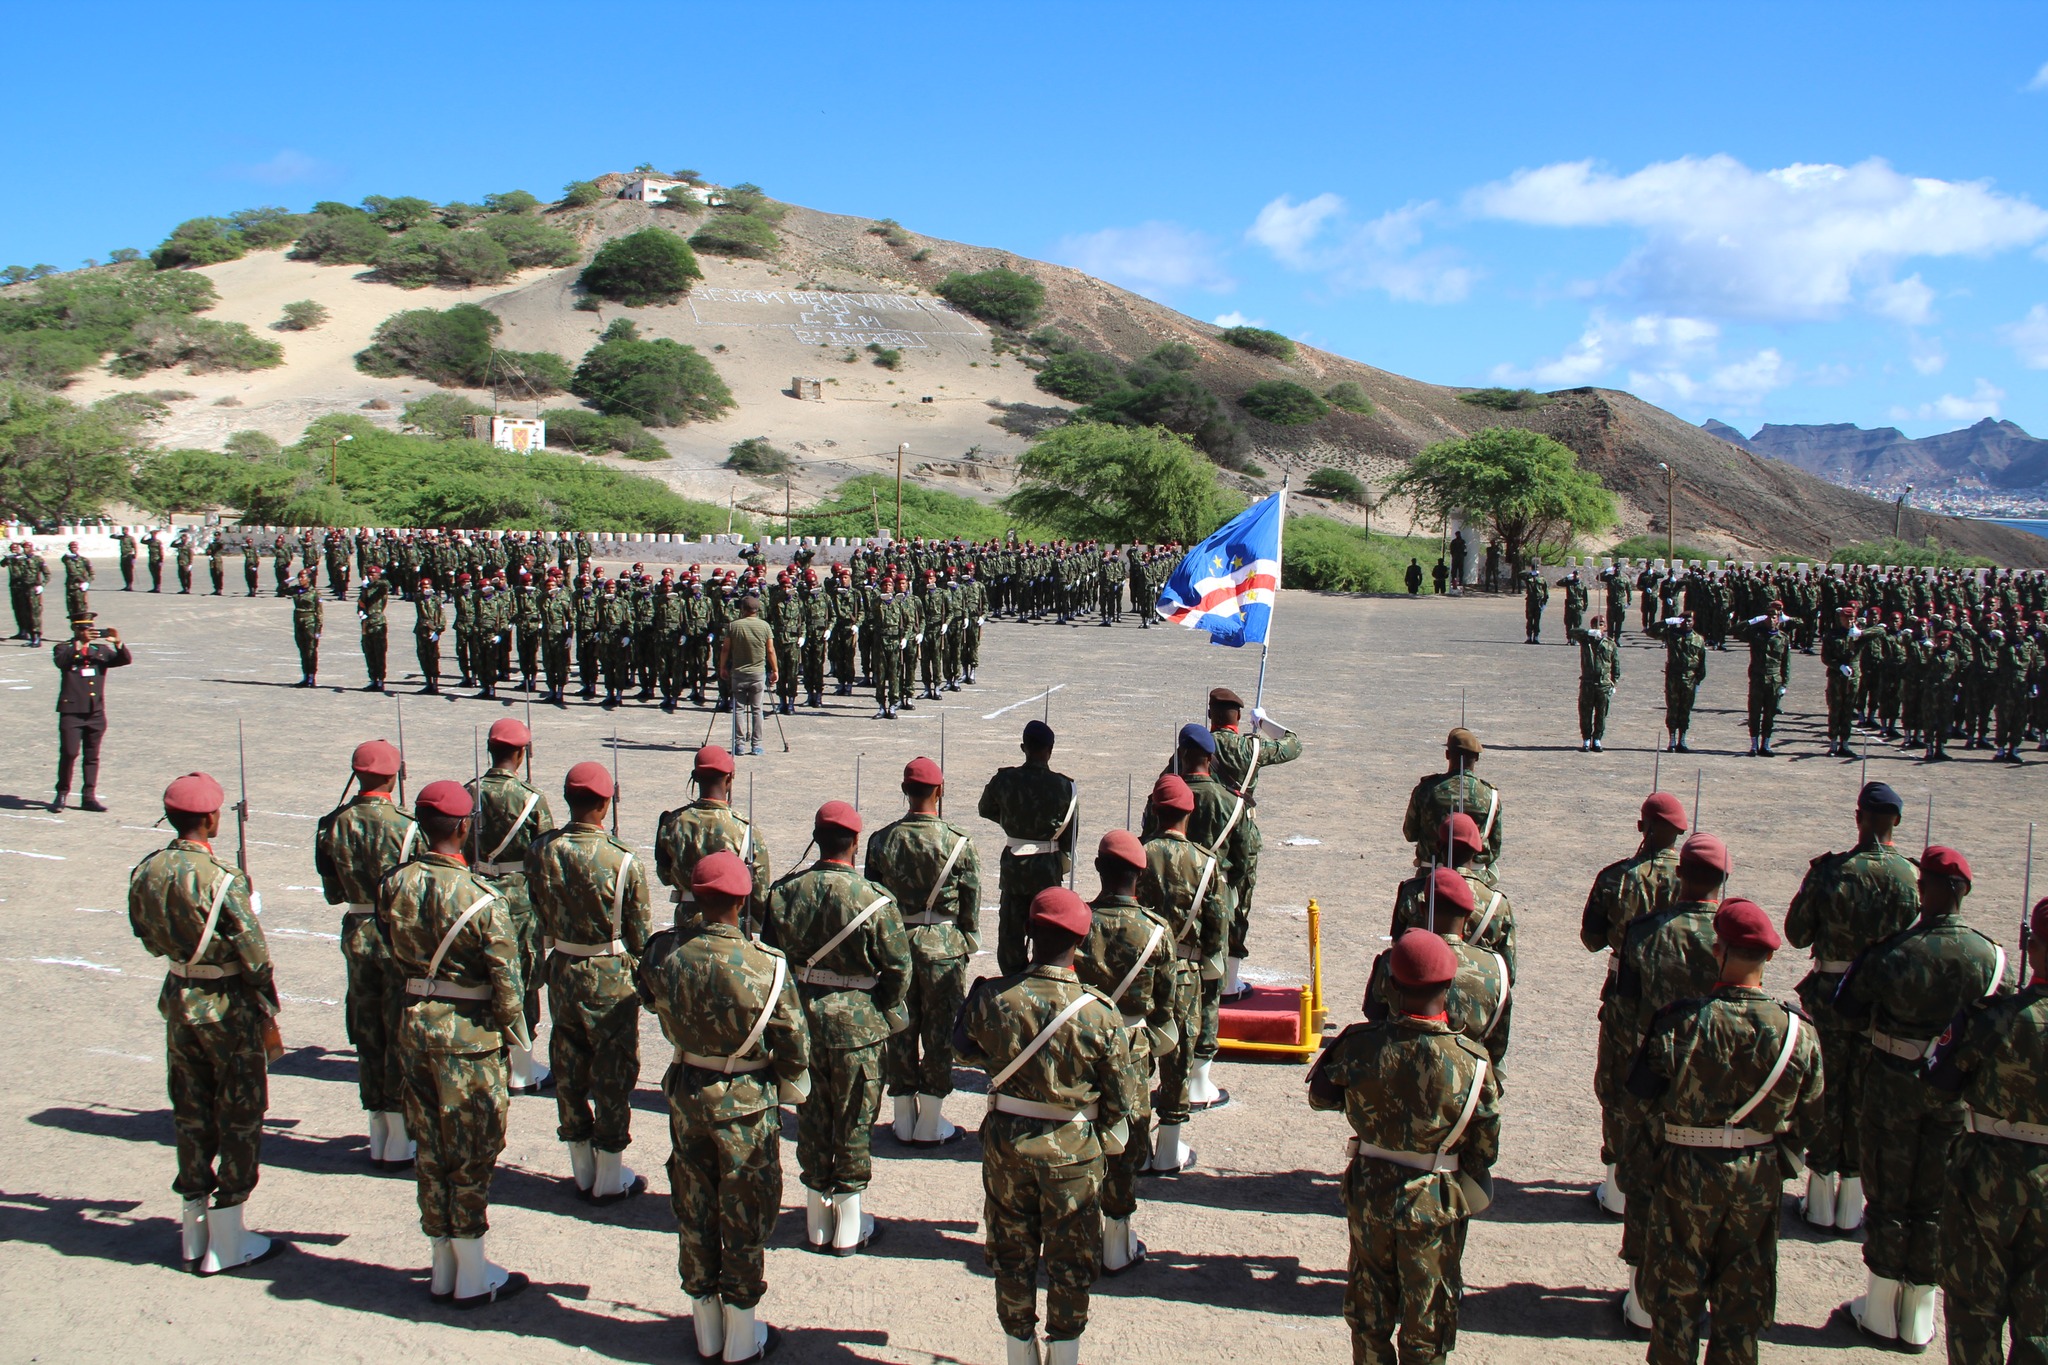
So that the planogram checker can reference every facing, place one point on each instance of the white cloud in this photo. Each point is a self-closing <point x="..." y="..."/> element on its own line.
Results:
<point x="1285" y="228"/>
<point x="1907" y="301"/>
<point x="1150" y="257"/>
<point x="1928" y="355"/>
<point x="1661" y="358"/>
<point x="2040" y="81"/>
<point x="1799" y="242"/>
<point x="1380" y="254"/>
<point x="2029" y="337"/>
<point x="1233" y="318"/>
<point x="1983" y="402"/>
<point x="288" y="167"/>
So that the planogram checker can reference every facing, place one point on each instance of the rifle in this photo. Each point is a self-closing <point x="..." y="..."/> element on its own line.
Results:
<point x="242" y="817"/>
<point x="942" y="764"/>
<point x="1699" y="776"/>
<point x="529" y="744"/>
<point x="401" y="751"/>
<point x="2026" y="918"/>
<point x="615" y="780"/>
<point x="476" y="757"/>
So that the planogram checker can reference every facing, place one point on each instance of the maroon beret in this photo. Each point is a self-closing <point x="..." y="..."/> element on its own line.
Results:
<point x="1743" y="927"/>
<point x="510" y="732"/>
<point x="193" y="794"/>
<point x="1459" y="831"/>
<point x="713" y="758"/>
<point x="375" y="758"/>
<point x="1059" y="908"/>
<point x="838" y="815"/>
<point x="588" y="779"/>
<point x="1171" y="792"/>
<point x="723" y="874"/>
<point x="451" y="799"/>
<point x="1122" y="845"/>
<point x="1666" y="808"/>
<point x="1703" y="853"/>
<point x="1449" y="888"/>
<point x="1420" y="958"/>
<point x="924" y="772"/>
<point x="1945" y="862"/>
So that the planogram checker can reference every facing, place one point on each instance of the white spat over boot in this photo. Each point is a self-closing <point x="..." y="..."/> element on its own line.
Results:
<point x="817" y="1217"/>
<point x="399" y="1147"/>
<point x="1203" y="1092"/>
<point x="613" y="1179"/>
<point x="1876" y="1310"/>
<point x="478" y="1280"/>
<point x="1819" y="1207"/>
<point x="1610" y="1196"/>
<point x="905" y="1123"/>
<point x="527" y="1073"/>
<point x="441" y="1277"/>
<point x="379" y="1134"/>
<point x="1115" y="1255"/>
<point x="707" y="1316"/>
<point x="582" y="1166"/>
<point x="228" y="1243"/>
<point x="1632" y="1310"/>
<point x="851" y="1229"/>
<point x="932" y="1128"/>
<point x="1849" y="1203"/>
<point x="1063" y="1352"/>
<point x="1916" y="1315"/>
<point x="192" y="1227"/>
<point x="1021" y="1351"/>
<point x="745" y="1339"/>
<point x="1169" y="1154"/>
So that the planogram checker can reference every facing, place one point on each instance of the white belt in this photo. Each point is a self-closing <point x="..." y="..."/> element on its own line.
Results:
<point x="445" y="990"/>
<point x="1134" y="1021"/>
<point x="1030" y="848"/>
<point x="1993" y="1126"/>
<point x="1613" y="964"/>
<point x="1414" y="1161"/>
<point x="927" y="919"/>
<point x="1032" y="1109"/>
<point x="1910" y="1049"/>
<point x="1726" y="1136"/>
<point x="1188" y="952"/>
<point x="724" y="1064"/>
<point x="615" y="948"/>
<point x="201" y="972"/>
<point x="1830" y="967"/>
<point x="360" y="908"/>
<point x="499" y="869"/>
<point x="818" y="976"/>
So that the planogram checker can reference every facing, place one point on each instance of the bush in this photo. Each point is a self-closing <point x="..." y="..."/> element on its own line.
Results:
<point x="61" y="326"/>
<point x="199" y="344"/>
<point x="459" y="214"/>
<point x="1324" y="555"/>
<point x="529" y="242"/>
<point x="887" y="357"/>
<point x="999" y="295"/>
<point x="662" y="383"/>
<point x="891" y="231"/>
<point x="755" y="456"/>
<point x="580" y="194"/>
<point x="854" y="507"/>
<point x="1347" y="394"/>
<point x="678" y="197"/>
<point x="1504" y="400"/>
<point x="264" y="228"/>
<point x="421" y="257"/>
<point x="60" y="462"/>
<point x="251" y="445"/>
<point x="1260" y="342"/>
<point x="1081" y="376"/>
<point x="350" y="237"/>
<point x="753" y="201"/>
<point x="1174" y="355"/>
<point x="199" y="241"/>
<point x="737" y="234"/>
<point x="400" y="214"/>
<point x="1339" y="485"/>
<point x="123" y="255"/>
<point x="592" y="433"/>
<point x="1928" y="554"/>
<point x="1119" y="485"/>
<point x="451" y="347"/>
<point x="303" y="316"/>
<point x="649" y="266"/>
<point x="512" y="201"/>
<point x="530" y="374"/>
<point x="440" y="415"/>
<point x="175" y="481"/>
<point x="1282" y="403"/>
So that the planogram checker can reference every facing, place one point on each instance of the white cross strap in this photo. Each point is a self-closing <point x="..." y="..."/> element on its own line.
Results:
<point x="448" y="939"/>
<point x="1144" y="956"/>
<point x="1045" y="1034"/>
<point x="220" y="896"/>
<point x="932" y="898"/>
<point x="1777" y="1070"/>
<point x="845" y="931"/>
<point x="506" y="842"/>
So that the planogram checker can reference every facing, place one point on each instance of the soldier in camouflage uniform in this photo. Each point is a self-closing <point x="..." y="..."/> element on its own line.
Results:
<point x="1423" y="1106"/>
<point x="1062" y="1094"/>
<point x="931" y="869"/>
<point x="1035" y="807"/>
<point x="1440" y="795"/>
<point x="357" y="845"/>
<point x="1994" y="1251"/>
<point x="305" y="628"/>
<point x="1770" y="670"/>
<point x="1685" y="668"/>
<point x="1847" y="902"/>
<point x="730" y="1008"/>
<point x="708" y="825"/>
<point x="78" y="583"/>
<point x="590" y="895"/>
<point x="193" y="909"/>
<point x="1480" y="1002"/>
<point x="844" y="938"/>
<point x="1732" y="1085"/>
<point x="510" y="817"/>
<point x="1906" y="989"/>
<point x="1599" y="673"/>
<point x="1493" y="926"/>
<point x="1841" y="654"/>
<point x="1181" y="887"/>
<point x="428" y="622"/>
<point x="452" y="944"/>
<point x="1241" y="758"/>
<point x="371" y="600"/>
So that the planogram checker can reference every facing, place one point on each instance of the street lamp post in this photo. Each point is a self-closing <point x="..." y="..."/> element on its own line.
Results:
<point x="1899" y="511"/>
<point x="1668" y="476"/>
<point x="902" y="448"/>
<point x="333" y="451"/>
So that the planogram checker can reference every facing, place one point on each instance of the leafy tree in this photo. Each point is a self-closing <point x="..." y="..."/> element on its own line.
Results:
<point x="201" y="345"/>
<point x="440" y="415"/>
<point x="1282" y="403"/>
<point x="755" y="456"/>
<point x="687" y="177"/>
<point x="43" y="271"/>
<point x="64" y="325"/>
<point x="60" y="462"/>
<point x="529" y="242"/>
<point x="998" y="295"/>
<point x="1118" y="484"/>
<point x="512" y="201"/>
<point x="1260" y="341"/>
<point x="1339" y="485"/>
<point x="459" y="214"/>
<point x="1526" y="488"/>
<point x="1180" y="403"/>
<point x="662" y="383"/>
<point x="401" y="214"/>
<point x="737" y="234"/>
<point x="1504" y="400"/>
<point x="251" y="445"/>
<point x="678" y="197"/>
<point x="580" y="194"/>
<point x="1348" y="395"/>
<point x="854" y="507"/>
<point x="303" y="316"/>
<point x="592" y="433"/>
<point x="264" y="228"/>
<point x="1081" y="376"/>
<point x="123" y="254"/>
<point x="199" y="241"/>
<point x="15" y="274"/>
<point x="649" y="266"/>
<point x="451" y="347"/>
<point x="175" y="481"/>
<point x="754" y="202"/>
<point x="1174" y="355"/>
<point x="350" y="237"/>
<point x="530" y="374"/>
<point x="418" y="258"/>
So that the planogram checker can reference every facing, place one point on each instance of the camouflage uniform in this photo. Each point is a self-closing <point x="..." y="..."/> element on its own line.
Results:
<point x="1713" y="1198"/>
<point x="1599" y="671"/>
<point x="306" y="616"/>
<point x="1685" y="668"/>
<point x="463" y="997"/>
<point x="1217" y="824"/>
<point x="1128" y="959"/>
<point x="853" y="997"/>
<point x="357" y="845"/>
<point x="215" y="1000"/>
<point x="1035" y="806"/>
<point x="1041" y="1176"/>
<point x="931" y="870"/>
<point x="1239" y="760"/>
<point x="1847" y="902"/>
<point x="371" y="599"/>
<point x="1479" y="1000"/>
<point x="590" y="895"/>
<point x="1770" y="670"/>
<point x="1439" y="796"/>
<point x="510" y="818"/>
<point x="1642" y="884"/>
<point x="1177" y="870"/>
<point x="686" y="835"/>
<point x="1493" y="928"/>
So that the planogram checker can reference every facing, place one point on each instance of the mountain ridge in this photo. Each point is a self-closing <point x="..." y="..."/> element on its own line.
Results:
<point x="1992" y="453"/>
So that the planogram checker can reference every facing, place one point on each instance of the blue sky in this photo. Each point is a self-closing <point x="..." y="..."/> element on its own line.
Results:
<point x="1794" y="213"/>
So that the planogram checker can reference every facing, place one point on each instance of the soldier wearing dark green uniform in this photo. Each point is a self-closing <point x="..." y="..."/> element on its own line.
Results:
<point x="729" y="1006"/>
<point x="1480" y="1002"/>
<point x="1062" y="1093"/>
<point x="1847" y="902"/>
<point x="371" y="600"/>
<point x="452" y="945"/>
<point x="280" y="563"/>
<point x="305" y="628"/>
<point x="1035" y="807"/>
<point x="1685" y="668"/>
<point x="1240" y="760"/>
<point x="1599" y="672"/>
<point x="1576" y="597"/>
<point x="931" y="869"/>
<point x="194" y="909"/>
<point x="590" y="895"/>
<point x="428" y="622"/>
<point x="1438" y="796"/>
<point x="356" y="847"/>
<point x="216" y="562"/>
<point x="1181" y="887"/>
<point x="1731" y="1083"/>
<point x="1423" y="1105"/>
<point x="182" y="544"/>
<point x="1842" y="655"/>
<point x="154" y="548"/>
<point x="705" y="826"/>
<point x="844" y="939"/>
<point x="252" y="564"/>
<point x="1770" y="669"/>
<point x="510" y="817"/>
<point x="127" y="545"/>
<point x="78" y="583"/>
<point x="1493" y="920"/>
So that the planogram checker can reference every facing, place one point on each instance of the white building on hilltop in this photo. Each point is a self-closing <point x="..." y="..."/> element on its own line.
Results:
<point x="652" y="189"/>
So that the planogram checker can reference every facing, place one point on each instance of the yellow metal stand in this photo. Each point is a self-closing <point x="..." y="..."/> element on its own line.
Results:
<point x="1313" y="1012"/>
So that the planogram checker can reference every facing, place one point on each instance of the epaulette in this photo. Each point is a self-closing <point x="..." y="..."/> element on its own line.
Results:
<point x="1793" y="1007"/>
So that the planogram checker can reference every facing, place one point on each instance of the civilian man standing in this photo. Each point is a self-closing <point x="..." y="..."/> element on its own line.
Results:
<point x="746" y="660"/>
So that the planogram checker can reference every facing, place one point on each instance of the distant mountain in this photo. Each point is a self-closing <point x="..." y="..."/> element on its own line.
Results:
<point x="1992" y="454"/>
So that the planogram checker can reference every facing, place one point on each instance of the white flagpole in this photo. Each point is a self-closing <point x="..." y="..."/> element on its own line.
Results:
<point x="1279" y="557"/>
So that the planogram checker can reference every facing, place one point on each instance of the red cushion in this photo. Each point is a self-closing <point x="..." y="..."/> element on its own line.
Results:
<point x="1270" y="1014"/>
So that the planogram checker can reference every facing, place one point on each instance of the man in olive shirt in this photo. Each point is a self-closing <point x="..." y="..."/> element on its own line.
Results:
<point x="746" y="660"/>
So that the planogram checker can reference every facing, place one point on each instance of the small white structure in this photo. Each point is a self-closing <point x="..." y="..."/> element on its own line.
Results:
<point x="808" y="387"/>
<point x="652" y="189"/>
<point x="520" y="435"/>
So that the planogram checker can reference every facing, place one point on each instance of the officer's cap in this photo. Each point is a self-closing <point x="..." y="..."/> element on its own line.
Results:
<point x="193" y="794"/>
<point x="1743" y="927"/>
<point x="85" y="618"/>
<point x="1878" y="796"/>
<point x="1123" y="846"/>
<point x="1463" y="741"/>
<point x="1058" y="908"/>
<point x="375" y="758"/>
<point x="1421" y="958"/>
<point x="1193" y="736"/>
<point x="723" y="874"/>
<point x="451" y="799"/>
<point x="587" y="779"/>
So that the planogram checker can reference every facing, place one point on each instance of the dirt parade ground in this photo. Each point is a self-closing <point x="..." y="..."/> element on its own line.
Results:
<point x="1247" y="1253"/>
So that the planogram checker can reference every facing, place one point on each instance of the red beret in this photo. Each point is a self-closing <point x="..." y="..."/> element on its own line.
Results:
<point x="1703" y="853"/>
<point x="588" y="779"/>
<point x="510" y="732"/>
<point x="1451" y="889"/>
<point x="924" y="772"/>
<point x="375" y="758"/>
<point x="1743" y="927"/>
<point x="1172" y="793"/>
<point x="1945" y="862"/>
<point x="838" y="815"/>
<point x="193" y="794"/>
<point x="1459" y="831"/>
<point x="2039" y="926"/>
<point x="447" y="798"/>
<point x="1420" y="958"/>
<point x="722" y="873"/>
<point x="1060" y="908"/>
<point x="713" y="758"/>
<point x="1122" y="845"/>
<point x="1666" y="808"/>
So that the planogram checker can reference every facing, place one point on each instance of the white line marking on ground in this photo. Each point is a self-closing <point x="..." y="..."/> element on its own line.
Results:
<point x="75" y="962"/>
<point x="116" y="1052"/>
<point x="93" y="910"/>
<point x="1026" y="702"/>
<point x="308" y="999"/>
<point x="24" y="853"/>
<point x="305" y="933"/>
<point x="17" y="815"/>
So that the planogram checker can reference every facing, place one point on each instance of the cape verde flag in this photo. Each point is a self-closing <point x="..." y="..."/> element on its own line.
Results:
<point x="1227" y="585"/>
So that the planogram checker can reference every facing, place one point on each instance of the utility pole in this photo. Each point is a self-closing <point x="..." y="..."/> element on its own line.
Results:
<point x="785" y="504"/>
<point x="1899" y="511"/>
<point x="902" y="448"/>
<point x="1668" y="550"/>
<point x="333" y="453"/>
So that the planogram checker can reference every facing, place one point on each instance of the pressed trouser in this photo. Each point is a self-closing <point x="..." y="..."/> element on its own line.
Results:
<point x="919" y="1060"/>
<point x="832" y="1125"/>
<point x="1402" y="1275"/>
<point x="1909" y="1135"/>
<point x="78" y="744"/>
<point x="220" y="1087"/>
<point x="725" y="1186"/>
<point x="455" y="1107"/>
<point x="1021" y="879"/>
<point x="1712" y="1244"/>
<point x="1593" y="704"/>
<point x="594" y="1048"/>
<point x="1994" y="1242"/>
<point x="371" y="1011"/>
<point x="1174" y="1066"/>
<point x="1039" y="1216"/>
<point x="375" y="652"/>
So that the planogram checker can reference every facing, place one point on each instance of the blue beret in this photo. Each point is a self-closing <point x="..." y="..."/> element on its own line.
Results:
<point x="1198" y="737"/>
<point x="1037" y="735"/>
<point x="1880" y="796"/>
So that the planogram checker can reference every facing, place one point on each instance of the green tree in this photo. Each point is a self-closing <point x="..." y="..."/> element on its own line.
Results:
<point x="175" y="481"/>
<point x="580" y="194"/>
<point x="60" y="462"/>
<point x="441" y="415"/>
<point x="1260" y="341"/>
<point x="201" y="345"/>
<point x="1338" y="485"/>
<point x="303" y="316"/>
<point x="405" y="212"/>
<point x="512" y="201"/>
<point x="199" y="241"/>
<point x="678" y="197"/>
<point x="251" y="446"/>
<point x="662" y="383"/>
<point x="1526" y="488"/>
<point x="451" y="347"/>
<point x="121" y="255"/>
<point x="1080" y="376"/>
<point x="1282" y="403"/>
<point x="459" y="215"/>
<point x="753" y="201"/>
<point x="592" y="433"/>
<point x="271" y="226"/>
<point x="649" y="266"/>
<point x="998" y="295"/>
<point x="1182" y="403"/>
<point x="1118" y="484"/>
<point x="350" y="237"/>
<point x="425" y="255"/>
<point x="1350" y="396"/>
<point x="1504" y="400"/>
<point x="530" y="242"/>
<point x="737" y="234"/>
<point x="755" y="456"/>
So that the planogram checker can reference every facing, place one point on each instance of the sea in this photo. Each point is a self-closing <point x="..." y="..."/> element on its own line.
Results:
<point x="2037" y="525"/>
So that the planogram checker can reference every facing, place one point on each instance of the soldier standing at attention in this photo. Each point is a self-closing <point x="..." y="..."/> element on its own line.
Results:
<point x="1732" y="1083"/>
<point x="1770" y="669"/>
<point x="1479" y="1000"/>
<point x="357" y="845"/>
<point x="709" y="825"/>
<point x="370" y="602"/>
<point x="280" y="563"/>
<point x="1576" y="598"/>
<point x="1493" y="925"/>
<point x="1062" y="1091"/>
<point x="1842" y="656"/>
<point x="1906" y="989"/>
<point x="1181" y="887"/>
<point x="730" y="1008"/>
<point x="305" y="627"/>
<point x="83" y="661"/>
<point x="1217" y="825"/>
<point x="193" y="909"/>
<point x="1599" y="671"/>
<point x="1439" y="796"/>
<point x="1240" y="758"/>
<point x="1847" y="902"/>
<point x="428" y="621"/>
<point x="1685" y="668"/>
<point x="156" y="561"/>
<point x="1992" y="1059"/>
<point x="183" y="545"/>
<point x="216" y="561"/>
<point x="452" y="945"/>
<point x="590" y="895"/>
<point x="844" y="936"/>
<point x="510" y="817"/>
<point x="1423" y="1106"/>
<point x="252" y="564"/>
<point x="128" y="546"/>
<point x="931" y="869"/>
<point x="78" y="582"/>
<point x="1035" y="806"/>
<point x="1535" y="596"/>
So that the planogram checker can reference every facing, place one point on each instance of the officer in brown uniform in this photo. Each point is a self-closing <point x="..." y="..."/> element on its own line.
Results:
<point x="82" y="705"/>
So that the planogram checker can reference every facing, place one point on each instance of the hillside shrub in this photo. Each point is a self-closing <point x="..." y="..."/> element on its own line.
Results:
<point x="303" y="316"/>
<point x="1325" y="555"/>
<point x="737" y="234"/>
<point x="349" y="237"/>
<point x="264" y="228"/>
<point x="754" y="202"/>
<point x="679" y="198"/>
<point x="1339" y="485"/>
<point x="199" y="241"/>
<point x="888" y="357"/>
<point x="1348" y="395"/>
<point x="401" y="214"/>
<point x="580" y="194"/>
<point x="593" y="433"/>
<point x="425" y="255"/>
<point x="174" y="481"/>
<point x="1180" y="403"/>
<point x="251" y="445"/>
<point x="641" y="268"/>
<point x="201" y="345"/>
<point x="1504" y="400"/>
<point x="440" y="414"/>
<point x="1001" y="296"/>
<point x="755" y="456"/>
<point x="443" y="346"/>
<point x="890" y="231"/>
<point x="1174" y="355"/>
<point x="60" y="462"/>
<point x="1282" y="403"/>
<point x="1080" y="376"/>
<point x="57" y="327"/>
<point x="530" y="374"/>
<point x="458" y="214"/>
<point x="663" y="383"/>
<point x="530" y="242"/>
<point x="853" y="507"/>
<point x="1928" y="554"/>
<point x="512" y="201"/>
<point x="1259" y="341"/>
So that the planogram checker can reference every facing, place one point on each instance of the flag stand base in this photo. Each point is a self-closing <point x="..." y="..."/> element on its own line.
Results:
<point x="1280" y="1021"/>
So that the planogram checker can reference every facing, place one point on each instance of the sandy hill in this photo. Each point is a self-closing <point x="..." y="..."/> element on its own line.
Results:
<point x="834" y="287"/>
